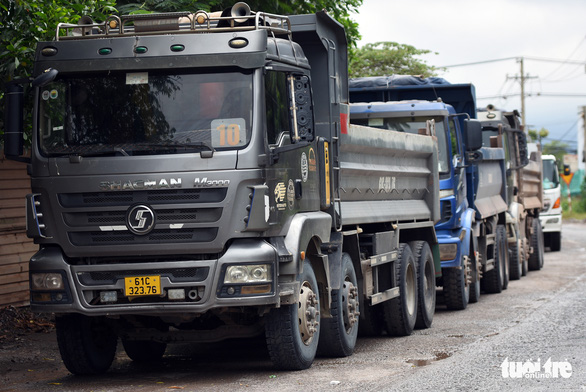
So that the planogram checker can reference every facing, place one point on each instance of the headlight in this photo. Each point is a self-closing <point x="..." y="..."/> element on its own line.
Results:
<point x="47" y="281"/>
<point x="446" y="193"/>
<point x="448" y="251"/>
<point x="248" y="274"/>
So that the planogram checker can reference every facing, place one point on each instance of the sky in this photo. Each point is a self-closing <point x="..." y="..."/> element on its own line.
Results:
<point x="469" y="31"/>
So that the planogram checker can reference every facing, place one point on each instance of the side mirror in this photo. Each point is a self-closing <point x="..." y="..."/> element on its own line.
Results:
<point x="13" y="120"/>
<point x="473" y="134"/>
<point x="45" y="78"/>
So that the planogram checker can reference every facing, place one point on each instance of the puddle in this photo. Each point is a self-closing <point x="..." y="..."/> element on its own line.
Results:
<point x="424" y="362"/>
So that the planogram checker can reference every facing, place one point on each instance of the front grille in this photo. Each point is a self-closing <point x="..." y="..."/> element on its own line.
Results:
<point x="126" y="198"/>
<point x="93" y="238"/>
<point x="118" y="218"/>
<point x="446" y="211"/>
<point x="175" y="275"/>
<point x="100" y="218"/>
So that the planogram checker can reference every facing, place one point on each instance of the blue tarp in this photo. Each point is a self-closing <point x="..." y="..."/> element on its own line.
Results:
<point x="394" y="80"/>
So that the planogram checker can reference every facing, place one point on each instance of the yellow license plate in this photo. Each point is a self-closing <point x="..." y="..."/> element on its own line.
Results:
<point x="136" y="286"/>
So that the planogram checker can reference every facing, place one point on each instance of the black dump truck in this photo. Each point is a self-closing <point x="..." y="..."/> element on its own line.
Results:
<point x="195" y="178"/>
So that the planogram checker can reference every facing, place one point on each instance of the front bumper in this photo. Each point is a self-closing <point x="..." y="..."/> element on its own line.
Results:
<point x="551" y="223"/>
<point x="203" y="278"/>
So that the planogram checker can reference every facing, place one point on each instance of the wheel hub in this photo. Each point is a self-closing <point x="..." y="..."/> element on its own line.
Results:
<point x="308" y="313"/>
<point x="350" y="305"/>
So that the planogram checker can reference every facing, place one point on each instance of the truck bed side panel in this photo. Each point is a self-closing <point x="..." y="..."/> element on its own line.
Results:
<point x="387" y="176"/>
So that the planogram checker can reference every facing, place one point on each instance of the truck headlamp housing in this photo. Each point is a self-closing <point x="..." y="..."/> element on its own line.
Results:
<point x="47" y="281"/>
<point x="254" y="273"/>
<point x="448" y="251"/>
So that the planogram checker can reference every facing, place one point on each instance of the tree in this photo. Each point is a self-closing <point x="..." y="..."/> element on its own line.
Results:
<point x="24" y="23"/>
<point x="389" y="58"/>
<point x="538" y="135"/>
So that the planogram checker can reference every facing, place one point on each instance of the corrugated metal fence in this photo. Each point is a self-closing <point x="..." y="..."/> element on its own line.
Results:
<point x="15" y="248"/>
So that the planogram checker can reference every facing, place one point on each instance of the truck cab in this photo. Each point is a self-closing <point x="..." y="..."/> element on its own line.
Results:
<point x="551" y="215"/>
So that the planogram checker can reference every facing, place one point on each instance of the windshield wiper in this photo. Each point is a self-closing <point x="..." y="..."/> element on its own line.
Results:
<point x="206" y="151"/>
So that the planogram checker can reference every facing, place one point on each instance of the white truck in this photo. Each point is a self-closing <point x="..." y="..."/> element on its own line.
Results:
<point x="551" y="215"/>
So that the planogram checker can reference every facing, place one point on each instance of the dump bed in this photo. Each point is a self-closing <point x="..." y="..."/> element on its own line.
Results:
<point x="387" y="176"/>
<point x="404" y="88"/>
<point x="486" y="183"/>
<point x="531" y="184"/>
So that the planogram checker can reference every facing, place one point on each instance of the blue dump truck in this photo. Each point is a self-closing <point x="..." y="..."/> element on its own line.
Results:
<point x="195" y="178"/>
<point x="472" y="231"/>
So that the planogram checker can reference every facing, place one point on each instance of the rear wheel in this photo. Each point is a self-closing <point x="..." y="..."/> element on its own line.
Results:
<point x="87" y="344"/>
<point x="425" y="283"/>
<point x="339" y="332"/>
<point x="536" y="258"/>
<point x="400" y="313"/>
<point x="292" y="331"/>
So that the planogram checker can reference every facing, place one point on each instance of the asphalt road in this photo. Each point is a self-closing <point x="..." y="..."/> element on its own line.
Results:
<point x="532" y="337"/>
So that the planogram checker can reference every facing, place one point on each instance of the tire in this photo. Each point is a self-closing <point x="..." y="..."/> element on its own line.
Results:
<point x="339" y="333"/>
<point x="516" y="260"/>
<point x="507" y="266"/>
<point x="144" y="350"/>
<point x="87" y="344"/>
<point x="493" y="280"/>
<point x="456" y="292"/>
<point x="475" y="268"/>
<point x="525" y="251"/>
<point x="536" y="258"/>
<point x="425" y="283"/>
<point x="555" y="241"/>
<point x="400" y="313"/>
<point x="292" y="331"/>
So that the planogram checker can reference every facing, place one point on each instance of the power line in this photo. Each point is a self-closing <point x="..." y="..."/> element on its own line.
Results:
<point x="565" y="62"/>
<point x="558" y="95"/>
<point x="516" y="58"/>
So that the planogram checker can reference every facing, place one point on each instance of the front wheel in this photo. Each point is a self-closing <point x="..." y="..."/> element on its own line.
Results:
<point x="476" y="255"/>
<point x="339" y="332"/>
<point x="516" y="261"/>
<point x="87" y="344"/>
<point x="493" y="281"/>
<point x="536" y="258"/>
<point x="292" y="331"/>
<point x="400" y="313"/>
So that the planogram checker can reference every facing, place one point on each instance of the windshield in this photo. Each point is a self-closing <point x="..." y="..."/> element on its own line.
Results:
<point x="143" y="113"/>
<point x="413" y="125"/>
<point x="550" y="174"/>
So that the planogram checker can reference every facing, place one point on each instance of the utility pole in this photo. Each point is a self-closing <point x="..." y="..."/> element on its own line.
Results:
<point x="522" y="80"/>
